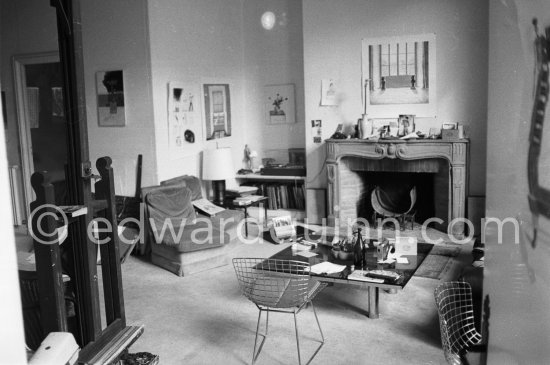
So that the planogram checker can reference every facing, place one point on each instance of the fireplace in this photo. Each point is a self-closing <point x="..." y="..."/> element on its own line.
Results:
<point x="438" y="168"/>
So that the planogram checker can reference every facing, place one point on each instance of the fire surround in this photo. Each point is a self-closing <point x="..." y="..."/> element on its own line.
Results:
<point x="455" y="152"/>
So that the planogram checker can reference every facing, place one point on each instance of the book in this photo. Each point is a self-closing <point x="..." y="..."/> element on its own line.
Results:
<point x="207" y="207"/>
<point x="74" y="210"/>
<point x="359" y="275"/>
<point x="283" y="227"/>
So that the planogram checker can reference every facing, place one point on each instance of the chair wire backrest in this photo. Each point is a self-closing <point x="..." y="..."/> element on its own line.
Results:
<point x="273" y="283"/>
<point x="456" y="319"/>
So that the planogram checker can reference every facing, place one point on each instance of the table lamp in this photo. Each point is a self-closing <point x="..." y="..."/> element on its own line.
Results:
<point x="217" y="165"/>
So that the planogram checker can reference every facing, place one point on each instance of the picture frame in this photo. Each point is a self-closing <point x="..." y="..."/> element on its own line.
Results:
<point x="217" y="110"/>
<point x="405" y="124"/>
<point x="110" y="98"/>
<point x="279" y="104"/>
<point x="399" y="74"/>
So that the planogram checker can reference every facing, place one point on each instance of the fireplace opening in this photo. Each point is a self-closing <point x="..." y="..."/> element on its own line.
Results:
<point x="359" y="177"/>
<point x="394" y="194"/>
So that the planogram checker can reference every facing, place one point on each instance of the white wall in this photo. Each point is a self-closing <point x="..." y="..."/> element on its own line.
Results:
<point x="115" y="37"/>
<point x="194" y="42"/>
<point x="333" y="31"/>
<point x="519" y="331"/>
<point x="273" y="57"/>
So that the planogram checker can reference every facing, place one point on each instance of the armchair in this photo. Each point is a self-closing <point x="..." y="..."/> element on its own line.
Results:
<point x="181" y="240"/>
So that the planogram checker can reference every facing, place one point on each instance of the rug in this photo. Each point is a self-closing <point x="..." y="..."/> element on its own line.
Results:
<point x="437" y="262"/>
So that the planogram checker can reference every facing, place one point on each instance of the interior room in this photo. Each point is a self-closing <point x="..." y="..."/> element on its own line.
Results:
<point x="177" y="171"/>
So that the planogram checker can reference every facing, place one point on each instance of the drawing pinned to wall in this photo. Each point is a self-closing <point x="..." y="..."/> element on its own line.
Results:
<point x="401" y="74"/>
<point x="110" y="99"/>
<point x="181" y="114"/>
<point x="279" y="104"/>
<point x="217" y="111"/>
<point x="328" y="92"/>
<point x="316" y="126"/>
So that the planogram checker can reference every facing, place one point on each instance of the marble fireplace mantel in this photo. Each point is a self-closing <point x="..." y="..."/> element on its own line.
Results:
<point x="455" y="152"/>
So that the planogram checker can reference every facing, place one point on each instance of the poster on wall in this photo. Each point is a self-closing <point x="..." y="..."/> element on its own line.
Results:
<point x="183" y="115"/>
<point x="279" y="104"/>
<point x="217" y="111"/>
<point x="110" y="99"/>
<point x="399" y="76"/>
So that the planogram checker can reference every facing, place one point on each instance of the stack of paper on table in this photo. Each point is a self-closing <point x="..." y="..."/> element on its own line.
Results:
<point x="327" y="268"/>
<point x="241" y="190"/>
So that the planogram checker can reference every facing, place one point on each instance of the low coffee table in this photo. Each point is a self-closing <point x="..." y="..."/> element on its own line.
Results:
<point x="324" y="254"/>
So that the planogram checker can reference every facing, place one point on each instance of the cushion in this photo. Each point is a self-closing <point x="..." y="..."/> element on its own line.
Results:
<point x="204" y="233"/>
<point x="169" y="205"/>
<point x="193" y="183"/>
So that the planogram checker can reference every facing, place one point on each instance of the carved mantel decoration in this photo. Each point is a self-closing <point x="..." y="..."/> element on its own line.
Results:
<point x="455" y="152"/>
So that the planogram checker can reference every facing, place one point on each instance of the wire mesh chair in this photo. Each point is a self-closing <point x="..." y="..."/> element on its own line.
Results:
<point x="281" y="286"/>
<point x="456" y="320"/>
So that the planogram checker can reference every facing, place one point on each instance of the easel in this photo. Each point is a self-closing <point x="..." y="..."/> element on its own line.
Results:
<point x="99" y="345"/>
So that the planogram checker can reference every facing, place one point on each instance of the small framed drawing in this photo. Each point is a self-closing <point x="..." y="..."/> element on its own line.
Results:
<point x="217" y="110"/>
<point x="279" y="104"/>
<point x="110" y="99"/>
<point x="405" y="124"/>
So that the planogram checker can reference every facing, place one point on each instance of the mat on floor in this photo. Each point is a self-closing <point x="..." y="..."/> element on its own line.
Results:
<point x="437" y="262"/>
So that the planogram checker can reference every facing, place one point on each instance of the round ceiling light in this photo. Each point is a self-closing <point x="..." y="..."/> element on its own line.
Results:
<point x="268" y="20"/>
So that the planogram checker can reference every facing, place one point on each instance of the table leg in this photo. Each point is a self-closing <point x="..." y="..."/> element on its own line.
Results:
<point x="373" y="302"/>
<point x="245" y="222"/>
<point x="265" y="214"/>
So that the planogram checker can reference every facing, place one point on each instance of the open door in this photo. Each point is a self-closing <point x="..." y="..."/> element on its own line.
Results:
<point x="38" y="84"/>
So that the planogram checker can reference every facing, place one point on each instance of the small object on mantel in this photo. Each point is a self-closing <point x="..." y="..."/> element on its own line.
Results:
<point x="449" y="134"/>
<point x="339" y="133"/>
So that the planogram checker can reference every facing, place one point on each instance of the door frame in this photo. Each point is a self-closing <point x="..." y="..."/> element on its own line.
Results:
<point x="25" y="141"/>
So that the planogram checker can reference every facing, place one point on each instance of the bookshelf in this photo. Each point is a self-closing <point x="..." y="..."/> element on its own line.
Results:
<point x="284" y="192"/>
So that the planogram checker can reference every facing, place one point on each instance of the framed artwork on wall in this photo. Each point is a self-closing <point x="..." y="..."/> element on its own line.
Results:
<point x="279" y="104"/>
<point x="110" y="99"/>
<point x="399" y="76"/>
<point x="217" y="110"/>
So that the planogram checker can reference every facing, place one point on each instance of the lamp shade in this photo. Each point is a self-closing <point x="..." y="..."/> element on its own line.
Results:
<point x="217" y="164"/>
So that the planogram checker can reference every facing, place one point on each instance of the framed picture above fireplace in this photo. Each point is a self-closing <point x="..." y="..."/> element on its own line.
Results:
<point x="401" y="76"/>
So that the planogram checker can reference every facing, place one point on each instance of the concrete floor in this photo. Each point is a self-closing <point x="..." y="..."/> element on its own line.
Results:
<point x="203" y="319"/>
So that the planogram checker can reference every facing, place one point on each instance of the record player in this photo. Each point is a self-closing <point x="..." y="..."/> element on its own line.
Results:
<point x="284" y="170"/>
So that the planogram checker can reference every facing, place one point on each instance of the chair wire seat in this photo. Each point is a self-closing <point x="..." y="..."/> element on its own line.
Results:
<point x="456" y="320"/>
<point x="275" y="285"/>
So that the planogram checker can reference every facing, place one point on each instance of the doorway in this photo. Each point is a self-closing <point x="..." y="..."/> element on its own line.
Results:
<point x="42" y="122"/>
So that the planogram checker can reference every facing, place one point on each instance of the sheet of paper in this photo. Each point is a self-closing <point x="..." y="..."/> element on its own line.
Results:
<point x="306" y="254"/>
<point x="402" y="260"/>
<point x="327" y="268"/>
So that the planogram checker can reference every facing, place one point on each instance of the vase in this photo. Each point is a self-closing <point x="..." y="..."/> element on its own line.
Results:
<point x="365" y="127"/>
